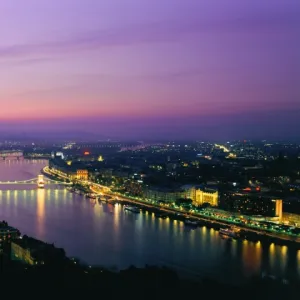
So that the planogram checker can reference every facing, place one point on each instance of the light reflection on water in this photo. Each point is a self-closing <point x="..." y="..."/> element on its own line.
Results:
<point x="104" y="234"/>
<point x="40" y="213"/>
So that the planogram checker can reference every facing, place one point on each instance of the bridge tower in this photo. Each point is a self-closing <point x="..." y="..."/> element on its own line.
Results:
<point x="41" y="182"/>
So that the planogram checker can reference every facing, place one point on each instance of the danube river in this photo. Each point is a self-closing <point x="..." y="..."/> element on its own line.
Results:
<point x="103" y="234"/>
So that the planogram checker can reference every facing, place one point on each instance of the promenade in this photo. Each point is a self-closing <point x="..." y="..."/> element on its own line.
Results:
<point x="106" y="191"/>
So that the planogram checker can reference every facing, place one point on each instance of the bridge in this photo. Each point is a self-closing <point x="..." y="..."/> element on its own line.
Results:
<point x="40" y="181"/>
<point x="11" y="154"/>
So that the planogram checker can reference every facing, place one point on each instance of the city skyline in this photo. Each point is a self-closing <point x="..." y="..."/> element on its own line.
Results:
<point x="150" y="69"/>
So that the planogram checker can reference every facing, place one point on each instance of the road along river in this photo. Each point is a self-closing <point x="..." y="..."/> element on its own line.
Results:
<point x="104" y="234"/>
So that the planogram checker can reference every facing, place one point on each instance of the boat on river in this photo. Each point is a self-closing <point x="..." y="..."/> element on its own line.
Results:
<point x="161" y="215"/>
<point x="229" y="232"/>
<point x="189" y="222"/>
<point x="133" y="209"/>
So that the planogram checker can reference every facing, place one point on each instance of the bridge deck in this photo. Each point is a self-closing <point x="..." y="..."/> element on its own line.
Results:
<point x="33" y="181"/>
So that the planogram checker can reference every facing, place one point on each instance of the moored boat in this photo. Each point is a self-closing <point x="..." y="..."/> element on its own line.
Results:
<point x="161" y="215"/>
<point x="133" y="209"/>
<point x="190" y="222"/>
<point x="230" y="232"/>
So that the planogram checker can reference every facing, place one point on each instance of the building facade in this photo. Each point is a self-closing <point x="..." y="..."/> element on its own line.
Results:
<point x="291" y="219"/>
<point x="199" y="196"/>
<point x="254" y="204"/>
<point x="202" y="196"/>
<point x="82" y="174"/>
<point x="164" y="194"/>
<point x="278" y="208"/>
<point x="61" y="168"/>
<point x="22" y="253"/>
<point x="35" y="252"/>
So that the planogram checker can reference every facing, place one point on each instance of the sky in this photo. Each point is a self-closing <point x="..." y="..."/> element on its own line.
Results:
<point x="151" y="69"/>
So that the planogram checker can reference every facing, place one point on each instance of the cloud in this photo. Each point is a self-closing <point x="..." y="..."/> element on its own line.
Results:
<point x="158" y="32"/>
<point x="25" y="61"/>
<point x="148" y="33"/>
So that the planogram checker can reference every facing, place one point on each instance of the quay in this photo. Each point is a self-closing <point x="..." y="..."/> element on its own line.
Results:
<point x="249" y="232"/>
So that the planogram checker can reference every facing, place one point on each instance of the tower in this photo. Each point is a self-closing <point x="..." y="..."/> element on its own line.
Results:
<point x="40" y="181"/>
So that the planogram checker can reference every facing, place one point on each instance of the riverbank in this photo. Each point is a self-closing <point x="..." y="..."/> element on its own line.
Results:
<point x="244" y="233"/>
<point x="103" y="234"/>
<point x="247" y="232"/>
<point x="51" y="268"/>
<point x="159" y="282"/>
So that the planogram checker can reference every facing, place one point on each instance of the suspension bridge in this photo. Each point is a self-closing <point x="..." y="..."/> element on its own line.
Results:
<point x="39" y="180"/>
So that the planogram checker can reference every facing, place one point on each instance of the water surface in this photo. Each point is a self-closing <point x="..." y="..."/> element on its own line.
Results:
<point x="103" y="234"/>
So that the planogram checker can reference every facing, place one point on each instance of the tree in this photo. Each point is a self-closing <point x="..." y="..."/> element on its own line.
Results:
<point x="184" y="202"/>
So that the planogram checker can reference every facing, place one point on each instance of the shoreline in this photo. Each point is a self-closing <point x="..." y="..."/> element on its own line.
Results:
<point x="248" y="233"/>
<point x="244" y="235"/>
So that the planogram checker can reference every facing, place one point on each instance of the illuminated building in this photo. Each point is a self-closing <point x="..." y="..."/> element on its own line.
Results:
<point x="100" y="158"/>
<point x="253" y="204"/>
<point x="82" y="174"/>
<point x="60" y="154"/>
<point x="202" y="195"/>
<point x="231" y="155"/>
<point x="72" y="172"/>
<point x="278" y="208"/>
<point x="164" y="194"/>
<point x="86" y="156"/>
<point x="60" y="167"/>
<point x="19" y="252"/>
<point x="198" y="195"/>
<point x="35" y="252"/>
<point x="291" y="219"/>
<point x="133" y="188"/>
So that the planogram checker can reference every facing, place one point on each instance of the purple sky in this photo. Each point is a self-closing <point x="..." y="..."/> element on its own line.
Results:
<point x="152" y="68"/>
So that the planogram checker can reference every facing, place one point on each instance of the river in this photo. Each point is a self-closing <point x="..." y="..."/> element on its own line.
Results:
<point x="103" y="234"/>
